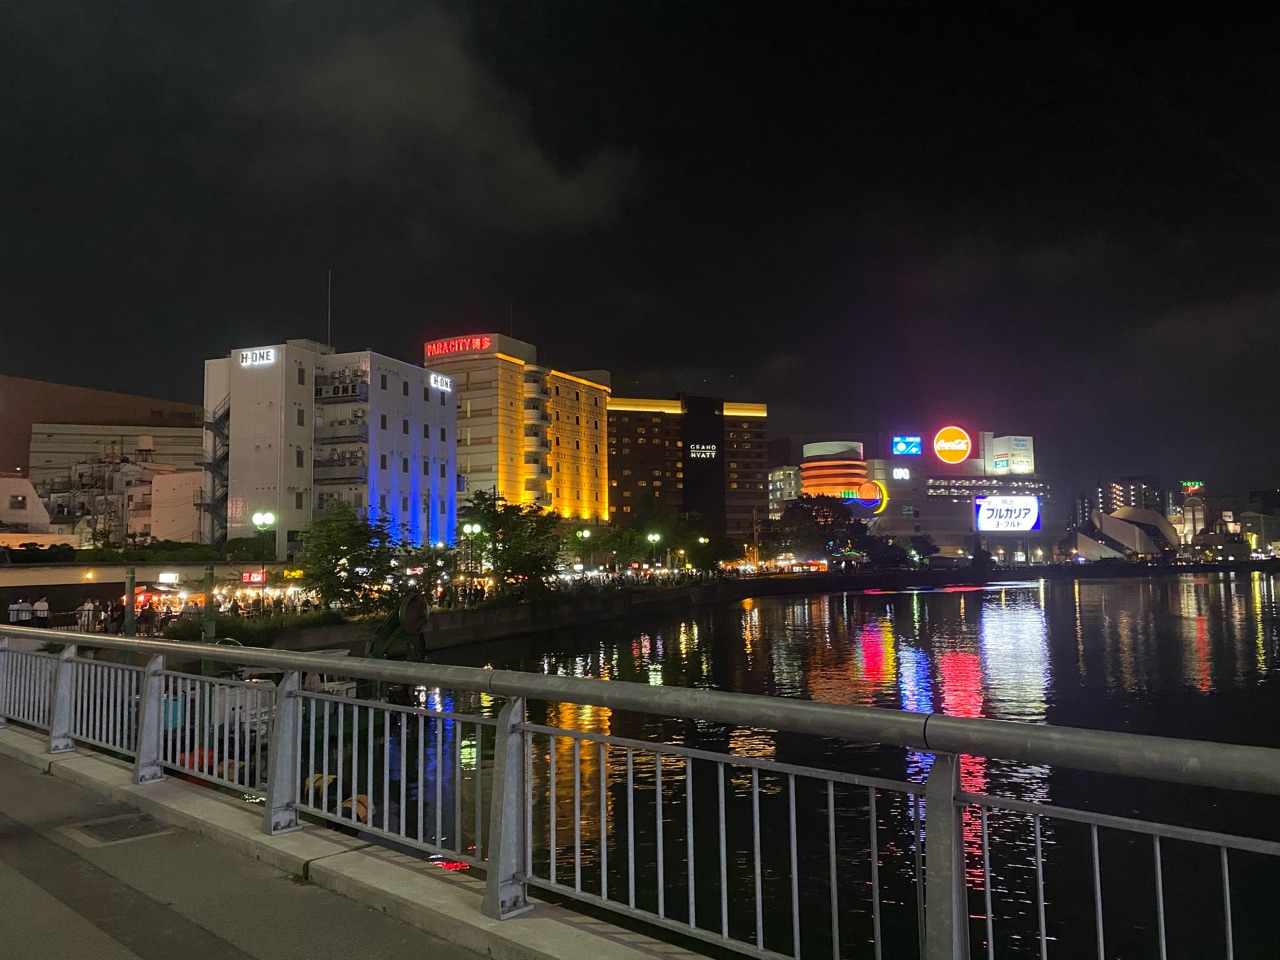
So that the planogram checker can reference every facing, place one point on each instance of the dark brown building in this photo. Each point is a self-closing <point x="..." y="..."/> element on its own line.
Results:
<point x="700" y="454"/>
<point x="24" y="402"/>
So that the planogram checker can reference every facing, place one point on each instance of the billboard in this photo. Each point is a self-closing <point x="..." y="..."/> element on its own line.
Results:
<point x="1012" y="455"/>
<point x="1006" y="514"/>
<point x="907" y="446"/>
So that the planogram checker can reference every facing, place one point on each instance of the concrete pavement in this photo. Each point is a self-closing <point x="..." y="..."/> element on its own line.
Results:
<point x="70" y="889"/>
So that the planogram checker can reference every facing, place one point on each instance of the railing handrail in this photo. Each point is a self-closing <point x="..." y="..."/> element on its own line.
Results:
<point x="1194" y="762"/>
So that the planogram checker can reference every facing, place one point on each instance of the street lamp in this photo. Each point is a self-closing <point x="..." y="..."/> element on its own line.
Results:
<point x="653" y="539"/>
<point x="583" y="536"/>
<point x="264" y="521"/>
<point x="472" y="530"/>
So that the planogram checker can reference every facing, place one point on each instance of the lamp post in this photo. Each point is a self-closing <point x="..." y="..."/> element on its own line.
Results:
<point x="583" y="536"/>
<point x="264" y="521"/>
<point x="653" y="539"/>
<point x="471" y="530"/>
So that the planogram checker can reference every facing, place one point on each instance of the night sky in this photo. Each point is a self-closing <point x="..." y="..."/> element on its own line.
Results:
<point x="870" y="216"/>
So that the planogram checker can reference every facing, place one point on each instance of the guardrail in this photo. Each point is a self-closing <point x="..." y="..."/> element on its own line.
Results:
<point x="757" y="855"/>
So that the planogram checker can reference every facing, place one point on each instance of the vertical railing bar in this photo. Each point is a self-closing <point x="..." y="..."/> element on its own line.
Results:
<point x="662" y="874"/>
<point x="386" y="771"/>
<point x="1160" y="896"/>
<point x="324" y="755"/>
<point x="602" y="751"/>
<point x="724" y="876"/>
<point x="188" y="718"/>
<point x="1097" y="890"/>
<point x="312" y="706"/>
<point x="459" y="732"/>
<point x="986" y="884"/>
<point x="438" y="767"/>
<point x="795" y="867"/>
<point x="755" y="842"/>
<point x="368" y="774"/>
<point x="340" y="761"/>
<point x="527" y="745"/>
<point x="403" y="748"/>
<point x="688" y="827"/>
<point x="875" y="871"/>
<point x="242" y="712"/>
<point x="226" y="729"/>
<point x="835" y="890"/>
<point x="551" y="792"/>
<point x="419" y="760"/>
<point x="479" y="790"/>
<point x="916" y="800"/>
<point x="1226" y="904"/>
<point x="577" y="814"/>
<point x="1044" y="941"/>
<point x="631" y="830"/>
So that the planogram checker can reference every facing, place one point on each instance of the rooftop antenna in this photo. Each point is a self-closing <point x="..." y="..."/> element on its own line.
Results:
<point x="329" y="330"/>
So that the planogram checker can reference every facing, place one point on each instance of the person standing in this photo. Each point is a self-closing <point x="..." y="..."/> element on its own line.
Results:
<point x="86" y="616"/>
<point x="25" y="612"/>
<point x="13" y="612"/>
<point x="41" y="611"/>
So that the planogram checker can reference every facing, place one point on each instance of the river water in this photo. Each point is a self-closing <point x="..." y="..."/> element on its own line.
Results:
<point x="1183" y="656"/>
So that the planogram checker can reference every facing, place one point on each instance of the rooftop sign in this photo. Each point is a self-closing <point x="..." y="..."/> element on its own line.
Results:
<point x="952" y="445"/>
<point x="442" y="348"/>
<point x="257" y="358"/>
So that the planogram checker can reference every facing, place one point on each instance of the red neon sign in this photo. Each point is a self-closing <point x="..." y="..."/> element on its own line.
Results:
<point x="439" y="348"/>
<point x="253" y="576"/>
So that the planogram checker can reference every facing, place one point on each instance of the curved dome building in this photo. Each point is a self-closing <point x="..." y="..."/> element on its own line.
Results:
<point x="832" y="468"/>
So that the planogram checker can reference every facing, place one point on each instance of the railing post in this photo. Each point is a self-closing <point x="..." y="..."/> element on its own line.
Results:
<point x="4" y="683"/>
<point x="60" y="693"/>
<point x="146" y="765"/>
<point x="280" y="815"/>
<point x="505" y="894"/>
<point x="946" y="914"/>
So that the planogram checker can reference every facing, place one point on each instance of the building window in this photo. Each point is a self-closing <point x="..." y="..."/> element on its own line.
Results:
<point x="442" y="508"/>
<point x="297" y="501"/>
<point x="426" y="469"/>
<point x="404" y="388"/>
<point x="382" y="421"/>
<point x="426" y="431"/>
<point x="557" y="441"/>
<point x="404" y="504"/>
<point x="404" y="427"/>
<point x="382" y="500"/>
<point x="382" y="462"/>
<point x="468" y="412"/>
<point x="442" y="469"/>
<point x="442" y="435"/>
<point x="426" y="394"/>
<point x="595" y="424"/>
<point x="298" y="456"/>
<point x="302" y="376"/>
<point x="384" y="386"/>
<point x="577" y="421"/>
<point x="18" y="502"/>
<point x="404" y="464"/>
<point x="577" y="394"/>
<point x="557" y="390"/>
<point x="302" y="417"/>
<point x="595" y="448"/>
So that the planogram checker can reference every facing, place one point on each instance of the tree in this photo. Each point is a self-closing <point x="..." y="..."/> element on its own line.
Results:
<point x="520" y="543"/>
<point x="258" y="549"/>
<point x="348" y="559"/>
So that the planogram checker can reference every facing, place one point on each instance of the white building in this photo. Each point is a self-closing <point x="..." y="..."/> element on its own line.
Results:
<point x="20" y="508"/>
<point x="292" y="427"/>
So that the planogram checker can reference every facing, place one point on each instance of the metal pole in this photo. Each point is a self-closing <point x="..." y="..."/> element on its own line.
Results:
<point x="60" y="693"/>
<point x="504" y="894"/>
<point x="946" y="913"/>
<point x="280" y="815"/>
<point x="210" y="611"/>
<point x="146" y="764"/>
<point x="4" y="686"/>
<point x="130" y="584"/>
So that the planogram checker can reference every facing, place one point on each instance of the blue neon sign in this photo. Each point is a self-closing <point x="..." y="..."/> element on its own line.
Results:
<point x="907" y="446"/>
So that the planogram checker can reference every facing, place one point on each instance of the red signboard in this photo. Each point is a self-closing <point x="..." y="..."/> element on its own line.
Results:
<point x="440" y="348"/>
<point x="254" y="576"/>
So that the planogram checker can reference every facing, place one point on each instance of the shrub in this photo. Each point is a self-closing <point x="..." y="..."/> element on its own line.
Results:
<point x="251" y="633"/>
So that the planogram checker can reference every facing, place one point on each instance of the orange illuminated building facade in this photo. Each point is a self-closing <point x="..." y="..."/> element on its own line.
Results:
<point x="532" y="434"/>
<point x="834" y="468"/>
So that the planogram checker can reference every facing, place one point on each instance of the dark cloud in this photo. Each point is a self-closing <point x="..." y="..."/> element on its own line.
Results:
<point x="411" y="111"/>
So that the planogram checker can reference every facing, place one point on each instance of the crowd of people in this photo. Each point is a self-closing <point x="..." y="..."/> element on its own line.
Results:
<point x="24" y="613"/>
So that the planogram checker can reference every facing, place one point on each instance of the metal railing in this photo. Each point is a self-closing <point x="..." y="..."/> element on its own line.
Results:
<point x="520" y="775"/>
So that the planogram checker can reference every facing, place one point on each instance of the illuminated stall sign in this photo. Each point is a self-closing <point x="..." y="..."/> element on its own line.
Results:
<point x="870" y="494"/>
<point x="441" y="382"/>
<point x="907" y="446"/>
<point x="1006" y="514"/>
<point x="253" y="576"/>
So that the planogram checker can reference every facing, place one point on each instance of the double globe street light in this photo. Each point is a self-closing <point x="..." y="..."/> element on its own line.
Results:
<point x="471" y="531"/>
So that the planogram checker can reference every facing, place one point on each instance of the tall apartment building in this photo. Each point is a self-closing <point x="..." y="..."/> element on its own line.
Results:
<point x="702" y="454"/>
<point x="532" y="434"/>
<point x="291" y="428"/>
<point x="1144" y="492"/>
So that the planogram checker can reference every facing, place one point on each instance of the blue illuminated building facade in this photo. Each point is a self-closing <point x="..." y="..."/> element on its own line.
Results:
<point x="294" y="428"/>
